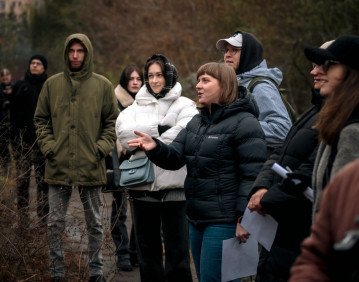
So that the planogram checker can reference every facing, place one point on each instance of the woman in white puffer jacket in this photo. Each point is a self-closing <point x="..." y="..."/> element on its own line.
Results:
<point x="159" y="208"/>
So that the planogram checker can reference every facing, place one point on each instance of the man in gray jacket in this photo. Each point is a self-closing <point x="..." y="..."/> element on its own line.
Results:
<point x="75" y="118"/>
<point x="243" y="52"/>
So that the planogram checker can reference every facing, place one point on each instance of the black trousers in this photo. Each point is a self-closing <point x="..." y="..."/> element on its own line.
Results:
<point x="124" y="245"/>
<point x="5" y="157"/>
<point x="156" y="223"/>
<point x="26" y="157"/>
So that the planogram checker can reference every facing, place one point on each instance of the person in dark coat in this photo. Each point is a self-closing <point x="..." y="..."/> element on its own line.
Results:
<point x="23" y="135"/>
<point x="6" y="86"/>
<point x="224" y="149"/>
<point x="282" y="200"/>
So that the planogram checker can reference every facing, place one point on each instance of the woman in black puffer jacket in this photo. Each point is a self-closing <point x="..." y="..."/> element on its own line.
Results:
<point x="224" y="149"/>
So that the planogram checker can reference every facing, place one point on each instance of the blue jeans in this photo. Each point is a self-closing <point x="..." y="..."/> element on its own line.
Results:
<point x="206" y="247"/>
<point x="59" y="197"/>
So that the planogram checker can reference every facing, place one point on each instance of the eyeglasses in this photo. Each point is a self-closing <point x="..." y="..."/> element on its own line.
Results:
<point x="327" y="64"/>
<point x="232" y="51"/>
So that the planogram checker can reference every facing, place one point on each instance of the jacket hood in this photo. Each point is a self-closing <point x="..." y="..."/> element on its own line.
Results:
<point x="87" y="67"/>
<point x="245" y="103"/>
<point x="123" y="97"/>
<point x="170" y="75"/>
<point x="262" y="70"/>
<point x="144" y="97"/>
<point x="251" y="53"/>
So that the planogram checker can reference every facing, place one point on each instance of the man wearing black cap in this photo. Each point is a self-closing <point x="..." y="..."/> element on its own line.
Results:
<point x="23" y="135"/>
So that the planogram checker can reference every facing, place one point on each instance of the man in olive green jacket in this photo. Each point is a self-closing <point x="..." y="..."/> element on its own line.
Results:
<point x="75" y="118"/>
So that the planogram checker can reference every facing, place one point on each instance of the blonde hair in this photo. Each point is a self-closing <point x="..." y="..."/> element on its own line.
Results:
<point x="227" y="80"/>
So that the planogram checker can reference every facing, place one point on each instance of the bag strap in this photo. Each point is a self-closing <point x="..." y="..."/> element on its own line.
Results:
<point x="260" y="79"/>
<point x="264" y="79"/>
<point x="116" y="167"/>
<point x="115" y="161"/>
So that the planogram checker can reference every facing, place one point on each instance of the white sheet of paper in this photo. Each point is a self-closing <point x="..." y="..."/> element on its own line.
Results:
<point x="239" y="260"/>
<point x="262" y="228"/>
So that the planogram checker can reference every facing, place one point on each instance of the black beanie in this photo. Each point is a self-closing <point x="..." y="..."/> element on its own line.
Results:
<point x="40" y="58"/>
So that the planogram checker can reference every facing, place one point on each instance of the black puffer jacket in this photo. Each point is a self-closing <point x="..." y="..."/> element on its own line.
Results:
<point x="223" y="151"/>
<point x="292" y="213"/>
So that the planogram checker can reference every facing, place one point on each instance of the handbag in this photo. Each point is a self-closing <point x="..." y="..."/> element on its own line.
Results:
<point x="113" y="175"/>
<point x="137" y="171"/>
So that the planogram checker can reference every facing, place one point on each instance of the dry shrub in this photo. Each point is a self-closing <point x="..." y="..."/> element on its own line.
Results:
<point x="23" y="242"/>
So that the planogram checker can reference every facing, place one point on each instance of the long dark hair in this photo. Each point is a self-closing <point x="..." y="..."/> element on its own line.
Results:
<point x="126" y="75"/>
<point x="339" y="107"/>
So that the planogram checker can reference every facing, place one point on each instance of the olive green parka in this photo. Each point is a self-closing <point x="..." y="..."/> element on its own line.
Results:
<point x="75" y="119"/>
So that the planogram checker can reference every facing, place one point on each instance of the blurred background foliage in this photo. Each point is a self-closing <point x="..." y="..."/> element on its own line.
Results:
<point x="126" y="31"/>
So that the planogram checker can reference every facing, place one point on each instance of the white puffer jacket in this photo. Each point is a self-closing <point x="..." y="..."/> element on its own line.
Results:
<point x="145" y="115"/>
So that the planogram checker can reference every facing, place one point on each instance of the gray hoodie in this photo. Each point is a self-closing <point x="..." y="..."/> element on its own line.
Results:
<point x="273" y="115"/>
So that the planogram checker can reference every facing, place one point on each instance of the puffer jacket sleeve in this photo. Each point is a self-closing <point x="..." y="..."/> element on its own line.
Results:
<point x="265" y="177"/>
<point x="126" y="124"/>
<point x="43" y="122"/>
<point x="170" y="157"/>
<point x="276" y="200"/>
<point x="251" y="153"/>
<point x="186" y="110"/>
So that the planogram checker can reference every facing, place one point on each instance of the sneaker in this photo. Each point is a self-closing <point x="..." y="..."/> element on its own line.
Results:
<point x="123" y="263"/>
<point x="97" y="278"/>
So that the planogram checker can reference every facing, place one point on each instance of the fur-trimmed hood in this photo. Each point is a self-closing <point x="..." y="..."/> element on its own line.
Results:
<point x="123" y="97"/>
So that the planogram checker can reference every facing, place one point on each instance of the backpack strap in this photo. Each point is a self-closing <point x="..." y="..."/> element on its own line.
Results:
<point x="264" y="79"/>
<point x="260" y="79"/>
<point x="116" y="166"/>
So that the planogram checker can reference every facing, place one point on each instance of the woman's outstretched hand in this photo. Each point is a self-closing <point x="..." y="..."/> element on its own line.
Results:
<point x="143" y="142"/>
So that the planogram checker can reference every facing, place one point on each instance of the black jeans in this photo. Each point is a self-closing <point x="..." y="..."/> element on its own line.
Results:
<point x="5" y="157"/>
<point x="124" y="245"/>
<point x="157" y="222"/>
<point x="25" y="158"/>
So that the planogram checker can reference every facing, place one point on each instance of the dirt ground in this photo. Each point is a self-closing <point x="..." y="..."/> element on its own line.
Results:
<point x="24" y="250"/>
<point x="76" y="238"/>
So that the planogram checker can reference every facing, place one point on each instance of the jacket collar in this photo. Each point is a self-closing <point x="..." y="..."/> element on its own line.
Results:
<point x="123" y="97"/>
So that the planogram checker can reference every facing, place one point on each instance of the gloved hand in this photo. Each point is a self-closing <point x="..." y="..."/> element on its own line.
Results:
<point x="295" y="183"/>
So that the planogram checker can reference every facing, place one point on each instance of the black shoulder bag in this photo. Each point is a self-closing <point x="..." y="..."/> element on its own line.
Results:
<point x="113" y="175"/>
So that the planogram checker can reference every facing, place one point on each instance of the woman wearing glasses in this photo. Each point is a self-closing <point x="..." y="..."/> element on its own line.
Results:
<point x="338" y="122"/>
<point x="284" y="200"/>
<point x="321" y="258"/>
